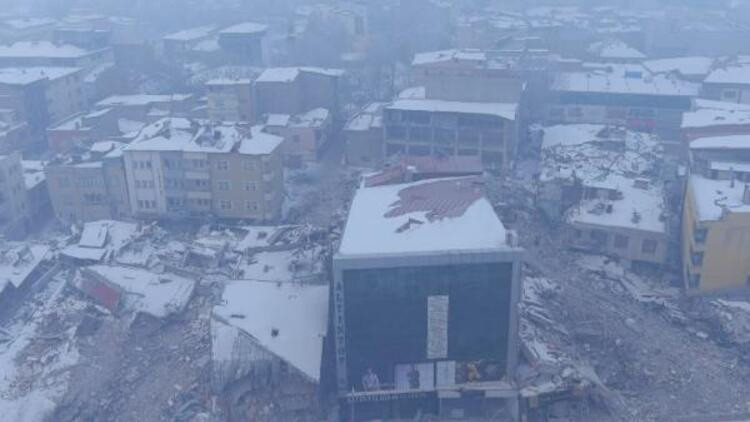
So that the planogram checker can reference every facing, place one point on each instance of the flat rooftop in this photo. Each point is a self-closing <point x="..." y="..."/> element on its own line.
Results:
<point x="614" y="83"/>
<point x="713" y="197"/>
<point x="428" y="216"/>
<point x="504" y="110"/>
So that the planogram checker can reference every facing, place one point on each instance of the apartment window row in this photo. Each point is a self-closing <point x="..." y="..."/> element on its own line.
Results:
<point x="223" y="185"/>
<point x="227" y="205"/>
<point x="90" y="182"/>
<point x="174" y="183"/>
<point x="93" y="198"/>
<point x="199" y="164"/>
<point x="146" y="204"/>
<point x="222" y="165"/>
<point x="142" y="165"/>
<point x="601" y="238"/>
<point x="144" y="184"/>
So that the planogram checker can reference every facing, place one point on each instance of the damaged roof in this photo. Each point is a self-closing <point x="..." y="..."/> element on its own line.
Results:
<point x="427" y="216"/>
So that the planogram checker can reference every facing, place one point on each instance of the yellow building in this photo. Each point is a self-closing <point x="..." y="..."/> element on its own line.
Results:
<point x="716" y="233"/>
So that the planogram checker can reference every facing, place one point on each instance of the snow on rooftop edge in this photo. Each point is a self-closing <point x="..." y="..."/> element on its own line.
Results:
<point x="369" y="231"/>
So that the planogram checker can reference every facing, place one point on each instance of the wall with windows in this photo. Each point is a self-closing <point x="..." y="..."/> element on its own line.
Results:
<point x="715" y="254"/>
<point x="391" y="326"/>
<point x="634" y="246"/>
<point x="421" y="133"/>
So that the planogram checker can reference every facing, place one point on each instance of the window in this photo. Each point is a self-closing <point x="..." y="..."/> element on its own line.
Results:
<point x="419" y="117"/>
<point x="225" y="205"/>
<point x="419" y="133"/>
<point x="598" y="236"/>
<point x="251" y="186"/>
<point x="199" y="164"/>
<point x="649" y="246"/>
<point x="222" y="185"/>
<point x="730" y="95"/>
<point x="166" y="163"/>
<point x="699" y="235"/>
<point x="222" y="165"/>
<point x="248" y="165"/>
<point x="696" y="258"/>
<point x="621" y="242"/>
<point x="396" y="132"/>
<point x="251" y="206"/>
<point x="556" y="112"/>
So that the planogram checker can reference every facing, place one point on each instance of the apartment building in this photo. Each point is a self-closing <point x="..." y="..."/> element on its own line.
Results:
<point x="42" y="95"/>
<point x="14" y="212"/>
<point x="230" y="100"/>
<point x="243" y="43"/>
<point x="306" y="135"/>
<point x="48" y="54"/>
<point x="180" y="168"/>
<point x="90" y="186"/>
<point x="445" y="128"/>
<point x="716" y="215"/>
<point x="468" y="75"/>
<point x="295" y="90"/>
<point x="364" y="137"/>
<point x="605" y="184"/>
<point x="622" y="96"/>
<point x="425" y="312"/>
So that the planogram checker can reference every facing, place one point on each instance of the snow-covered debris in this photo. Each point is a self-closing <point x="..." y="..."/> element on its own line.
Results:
<point x="134" y="289"/>
<point x="288" y="320"/>
<point x="100" y="240"/>
<point x="18" y="261"/>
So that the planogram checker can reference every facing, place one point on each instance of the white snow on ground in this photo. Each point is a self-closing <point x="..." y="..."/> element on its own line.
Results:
<point x="287" y="319"/>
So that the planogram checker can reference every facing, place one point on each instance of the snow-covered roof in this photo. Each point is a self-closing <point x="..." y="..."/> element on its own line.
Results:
<point x="260" y="143"/>
<point x="17" y="261"/>
<point x="33" y="173"/>
<point x="288" y="319"/>
<point x="611" y="83"/>
<point x="245" y="28"/>
<point x="289" y="74"/>
<point x="714" y="197"/>
<point x="42" y="49"/>
<point x="27" y="75"/>
<point x="722" y="142"/>
<point x="640" y="208"/>
<point x="29" y="22"/>
<point x="228" y="81"/>
<point x="371" y="116"/>
<point x="615" y="49"/>
<point x="504" y="110"/>
<point x="116" y="234"/>
<point x="140" y="99"/>
<point x="159" y="295"/>
<point x="427" y="216"/>
<point x="732" y="74"/>
<point x="311" y="119"/>
<point x="191" y="34"/>
<point x="687" y="66"/>
<point x="275" y="119"/>
<point x="708" y="113"/>
<point x="442" y="56"/>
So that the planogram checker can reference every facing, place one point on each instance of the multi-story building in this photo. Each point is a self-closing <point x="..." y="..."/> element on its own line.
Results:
<point x="716" y="215"/>
<point x="364" y="137"/>
<point x="89" y="187"/>
<point x="444" y="128"/>
<point x="624" y="96"/>
<point x="426" y="286"/>
<point x="468" y="75"/>
<point x="295" y="90"/>
<point x="82" y="130"/>
<point x="138" y="107"/>
<point x="230" y="100"/>
<point x="305" y="135"/>
<point x="729" y="82"/>
<point x="48" y="54"/>
<point x="14" y="213"/>
<point x="178" y="45"/>
<point x="181" y="168"/>
<point x="42" y="95"/>
<point x="243" y="43"/>
<point x="710" y="118"/>
<point x="606" y="184"/>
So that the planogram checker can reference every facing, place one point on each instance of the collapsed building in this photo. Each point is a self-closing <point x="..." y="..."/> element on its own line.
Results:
<point x="426" y="284"/>
<point x="606" y="184"/>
